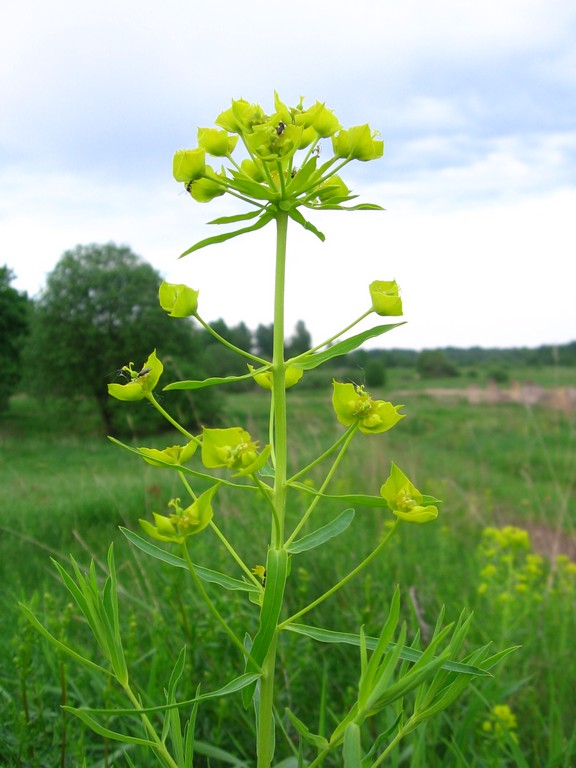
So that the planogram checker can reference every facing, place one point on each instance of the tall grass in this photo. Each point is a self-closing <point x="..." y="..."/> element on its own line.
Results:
<point x="66" y="490"/>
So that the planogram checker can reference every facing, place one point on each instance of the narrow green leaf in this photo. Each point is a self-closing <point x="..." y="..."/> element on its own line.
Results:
<point x="238" y="217"/>
<point x="320" y="742"/>
<point x="360" y="207"/>
<point x="264" y="219"/>
<point x="327" y="532"/>
<point x="176" y="674"/>
<point x="182" y="468"/>
<point x="349" y="638"/>
<point x="189" y="734"/>
<point x="238" y="684"/>
<point x="100" y="729"/>
<point x="299" y="219"/>
<point x="251" y="188"/>
<point x="206" y="574"/>
<point x="359" y="499"/>
<point x="64" y="648"/>
<point x="307" y="362"/>
<point x="300" y="179"/>
<point x="213" y="380"/>
<point x="276" y="572"/>
<point x="209" y="750"/>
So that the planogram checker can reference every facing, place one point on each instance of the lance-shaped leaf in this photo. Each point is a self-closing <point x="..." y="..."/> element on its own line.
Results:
<point x="235" y="685"/>
<point x="317" y="741"/>
<point x="308" y="362"/>
<point x="238" y="217"/>
<point x="300" y="180"/>
<point x="299" y="219"/>
<point x="276" y="572"/>
<point x="407" y="653"/>
<point x="358" y="499"/>
<point x="332" y="206"/>
<point x="206" y="574"/>
<point x="214" y="380"/>
<point x="264" y="219"/>
<point x="327" y="532"/>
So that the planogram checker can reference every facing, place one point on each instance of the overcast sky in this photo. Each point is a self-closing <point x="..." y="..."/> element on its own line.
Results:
<point x="476" y="103"/>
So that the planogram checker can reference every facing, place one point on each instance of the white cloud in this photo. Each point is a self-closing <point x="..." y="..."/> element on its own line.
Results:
<point x="472" y="101"/>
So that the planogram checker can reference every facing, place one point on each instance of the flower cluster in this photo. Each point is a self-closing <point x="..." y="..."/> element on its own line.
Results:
<point x="353" y="405"/>
<point x="139" y="383"/>
<point x="510" y="568"/>
<point x="184" y="521"/>
<point x="281" y="170"/>
<point x="501" y="720"/>
<point x="406" y="501"/>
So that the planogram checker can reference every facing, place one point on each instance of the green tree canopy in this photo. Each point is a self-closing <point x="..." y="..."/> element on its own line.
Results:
<point x="14" y="319"/>
<point x="100" y="311"/>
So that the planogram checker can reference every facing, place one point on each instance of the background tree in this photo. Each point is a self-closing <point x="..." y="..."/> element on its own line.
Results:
<point x="435" y="364"/>
<point x="14" y="320"/>
<point x="100" y="311"/>
<point x="264" y="338"/>
<point x="300" y="341"/>
<point x="222" y="361"/>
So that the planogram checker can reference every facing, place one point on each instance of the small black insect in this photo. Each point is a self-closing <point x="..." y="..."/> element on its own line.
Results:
<point x="280" y="128"/>
<point x="189" y="186"/>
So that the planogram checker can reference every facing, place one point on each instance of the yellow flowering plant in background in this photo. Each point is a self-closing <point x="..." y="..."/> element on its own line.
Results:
<point x="272" y="166"/>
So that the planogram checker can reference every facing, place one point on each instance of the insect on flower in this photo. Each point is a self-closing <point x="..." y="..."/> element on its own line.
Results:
<point x="280" y="128"/>
<point x="144" y="371"/>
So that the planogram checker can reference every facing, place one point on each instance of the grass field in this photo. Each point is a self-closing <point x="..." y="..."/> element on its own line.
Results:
<point x="65" y="490"/>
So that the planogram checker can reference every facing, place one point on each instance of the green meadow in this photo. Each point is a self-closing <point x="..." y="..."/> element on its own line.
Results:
<point x="503" y="546"/>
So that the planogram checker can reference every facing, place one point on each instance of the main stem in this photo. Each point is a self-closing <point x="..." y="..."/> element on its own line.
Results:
<point x="265" y="724"/>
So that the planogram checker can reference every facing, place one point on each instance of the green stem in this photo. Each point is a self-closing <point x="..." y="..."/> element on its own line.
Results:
<point x="323" y="456"/>
<point x="265" y="720"/>
<point x="221" y="536"/>
<point x="160" y="747"/>
<point x="279" y="382"/>
<point x="169" y="418"/>
<point x="229" y="344"/>
<point x="234" y="554"/>
<point x="332" y="338"/>
<point x="212" y="608"/>
<point x="349" y="435"/>
<point x="375" y="552"/>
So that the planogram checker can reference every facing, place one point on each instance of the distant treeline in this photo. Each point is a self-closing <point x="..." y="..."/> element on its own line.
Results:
<point x="561" y="354"/>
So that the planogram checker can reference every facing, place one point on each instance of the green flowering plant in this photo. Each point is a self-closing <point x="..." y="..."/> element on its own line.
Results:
<point x="280" y="178"/>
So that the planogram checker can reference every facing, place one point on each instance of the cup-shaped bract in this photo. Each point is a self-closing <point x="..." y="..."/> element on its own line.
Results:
<point x="177" y="299"/>
<point x="385" y="296"/>
<point x="140" y="383"/>
<point x="405" y="500"/>
<point x="352" y="404"/>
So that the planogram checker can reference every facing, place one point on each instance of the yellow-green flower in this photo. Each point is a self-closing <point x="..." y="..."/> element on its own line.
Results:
<point x="233" y="448"/>
<point x="141" y="383"/>
<point x="264" y="380"/>
<point x="178" y="300"/>
<point x="353" y="404"/>
<point x="385" y="297"/>
<point x="241" y="117"/>
<point x="405" y="500"/>
<point x="183" y="522"/>
<point x="189" y="164"/>
<point x="501" y="717"/>
<point x="216" y="143"/>
<point x="358" y="143"/>
<point x="175" y="454"/>
<point x="206" y="189"/>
